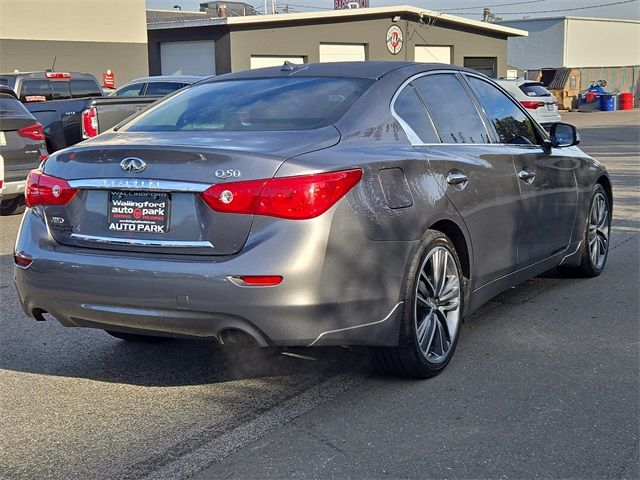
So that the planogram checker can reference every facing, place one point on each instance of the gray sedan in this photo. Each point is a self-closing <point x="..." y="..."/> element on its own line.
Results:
<point x="372" y="203"/>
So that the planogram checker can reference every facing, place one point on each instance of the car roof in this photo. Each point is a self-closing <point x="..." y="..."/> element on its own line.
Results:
<point x="5" y="90"/>
<point x="169" y="78"/>
<point x="371" y="69"/>
<point x="41" y="74"/>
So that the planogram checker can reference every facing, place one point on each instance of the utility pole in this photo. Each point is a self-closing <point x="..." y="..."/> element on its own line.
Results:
<point x="273" y="6"/>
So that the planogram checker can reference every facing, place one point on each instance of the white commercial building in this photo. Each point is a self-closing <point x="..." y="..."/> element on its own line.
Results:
<point x="601" y="48"/>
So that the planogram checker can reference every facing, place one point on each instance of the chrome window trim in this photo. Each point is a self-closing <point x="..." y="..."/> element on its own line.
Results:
<point x="142" y="243"/>
<point x="414" y="139"/>
<point x="138" y="184"/>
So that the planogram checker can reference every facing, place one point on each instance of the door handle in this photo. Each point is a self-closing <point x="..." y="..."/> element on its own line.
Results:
<point x="457" y="178"/>
<point x="527" y="176"/>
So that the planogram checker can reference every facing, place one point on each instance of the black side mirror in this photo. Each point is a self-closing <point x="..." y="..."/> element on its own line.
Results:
<point x="564" y="135"/>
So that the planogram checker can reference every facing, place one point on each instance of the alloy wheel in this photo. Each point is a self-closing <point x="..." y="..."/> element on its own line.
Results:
<point x="437" y="304"/>
<point x="598" y="230"/>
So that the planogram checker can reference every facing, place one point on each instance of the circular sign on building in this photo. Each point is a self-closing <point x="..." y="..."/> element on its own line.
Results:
<point x="394" y="39"/>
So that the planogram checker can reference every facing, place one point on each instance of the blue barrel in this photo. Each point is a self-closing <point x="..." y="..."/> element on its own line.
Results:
<point x="607" y="102"/>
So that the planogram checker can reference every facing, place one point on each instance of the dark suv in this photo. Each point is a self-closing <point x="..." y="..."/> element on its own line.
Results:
<point x="21" y="145"/>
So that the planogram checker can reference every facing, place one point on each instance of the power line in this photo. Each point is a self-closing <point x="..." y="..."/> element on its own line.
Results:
<point x="558" y="10"/>
<point x="490" y="6"/>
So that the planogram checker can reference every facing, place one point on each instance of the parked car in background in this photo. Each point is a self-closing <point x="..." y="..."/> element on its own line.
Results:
<point x="535" y="97"/>
<point x="57" y="100"/>
<point x="22" y="147"/>
<point x="1" y="177"/>
<point x="157" y="86"/>
<point x="103" y="113"/>
<point x="326" y="204"/>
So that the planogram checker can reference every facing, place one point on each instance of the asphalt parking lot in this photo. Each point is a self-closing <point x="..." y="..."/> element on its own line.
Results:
<point x="545" y="384"/>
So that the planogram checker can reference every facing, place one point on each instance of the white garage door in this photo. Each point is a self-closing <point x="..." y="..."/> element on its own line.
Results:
<point x="429" y="54"/>
<point x="262" y="61"/>
<point x="188" y="58"/>
<point x="341" y="52"/>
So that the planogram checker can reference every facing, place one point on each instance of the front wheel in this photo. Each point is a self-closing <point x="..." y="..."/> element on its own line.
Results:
<point x="432" y="311"/>
<point x="595" y="241"/>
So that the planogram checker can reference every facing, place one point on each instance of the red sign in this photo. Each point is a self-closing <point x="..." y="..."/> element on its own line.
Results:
<point x="347" y="4"/>
<point x="108" y="78"/>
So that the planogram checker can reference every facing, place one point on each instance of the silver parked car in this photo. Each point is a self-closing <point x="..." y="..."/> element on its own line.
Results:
<point x="156" y="86"/>
<point x="368" y="203"/>
<point x="535" y="97"/>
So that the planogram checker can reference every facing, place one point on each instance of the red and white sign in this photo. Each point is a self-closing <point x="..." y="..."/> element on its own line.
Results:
<point x="348" y="4"/>
<point x="108" y="78"/>
<point x="394" y="39"/>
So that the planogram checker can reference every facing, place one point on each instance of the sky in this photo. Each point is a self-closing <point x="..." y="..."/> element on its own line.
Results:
<point x="468" y="8"/>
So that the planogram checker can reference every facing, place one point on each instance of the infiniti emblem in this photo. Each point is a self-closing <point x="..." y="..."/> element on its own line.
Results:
<point x="133" y="165"/>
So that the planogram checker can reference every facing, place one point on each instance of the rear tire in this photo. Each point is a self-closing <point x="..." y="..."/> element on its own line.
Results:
<point x="432" y="311"/>
<point x="12" y="206"/>
<point x="596" y="238"/>
<point x="134" y="337"/>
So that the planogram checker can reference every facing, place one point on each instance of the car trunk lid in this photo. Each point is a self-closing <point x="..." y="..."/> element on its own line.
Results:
<point x="158" y="208"/>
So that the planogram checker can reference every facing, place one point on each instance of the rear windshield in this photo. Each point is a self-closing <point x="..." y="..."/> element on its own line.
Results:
<point x="534" y="90"/>
<point x="85" y="88"/>
<point x="11" y="107"/>
<point x="255" y="104"/>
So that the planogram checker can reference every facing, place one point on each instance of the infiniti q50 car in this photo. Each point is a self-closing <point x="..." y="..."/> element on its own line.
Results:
<point x="372" y="203"/>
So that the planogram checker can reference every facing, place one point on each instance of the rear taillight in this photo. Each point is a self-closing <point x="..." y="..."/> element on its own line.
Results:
<point x="89" y="123"/>
<point x="47" y="190"/>
<point x="34" y="132"/>
<point x="295" y="198"/>
<point x="532" y="105"/>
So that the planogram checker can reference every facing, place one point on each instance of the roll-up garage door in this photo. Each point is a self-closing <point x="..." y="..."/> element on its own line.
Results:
<point x="262" y="61"/>
<point x="342" y="52"/>
<point x="188" y="58"/>
<point x="431" y="54"/>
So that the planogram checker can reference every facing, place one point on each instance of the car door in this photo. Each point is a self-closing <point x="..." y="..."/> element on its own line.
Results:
<point x="476" y="175"/>
<point x="546" y="179"/>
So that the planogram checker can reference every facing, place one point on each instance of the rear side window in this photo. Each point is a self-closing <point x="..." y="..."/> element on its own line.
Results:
<point x="35" y="91"/>
<point x="255" y="104"/>
<point x="534" y="90"/>
<point x="60" y="90"/>
<point x="132" y="90"/>
<point x="84" y="88"/>
<point x="452" y="110"/>
<point x="411" y="110"/>
<point x="511" y="123"/>
<point x="162" y="88"/>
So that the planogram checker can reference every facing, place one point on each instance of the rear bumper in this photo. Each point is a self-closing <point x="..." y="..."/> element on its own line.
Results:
<point x="13" y="189"/>
<point x="331" y="293"/>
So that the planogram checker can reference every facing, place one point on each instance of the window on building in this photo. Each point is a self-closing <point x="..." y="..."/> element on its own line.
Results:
<point x="411" y="110"/>
<point x="486" y="65"/>
<point x="455" y="116"/>
<point x="511" y="123"/>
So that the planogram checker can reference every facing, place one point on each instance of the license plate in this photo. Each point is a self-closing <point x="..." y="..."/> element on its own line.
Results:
<point x="550" y="107"/>
<point x="139" y="212"/>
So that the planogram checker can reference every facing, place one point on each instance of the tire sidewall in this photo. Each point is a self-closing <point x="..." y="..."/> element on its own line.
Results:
<point x="586" y="255"/>
<point x="408" y="334"/>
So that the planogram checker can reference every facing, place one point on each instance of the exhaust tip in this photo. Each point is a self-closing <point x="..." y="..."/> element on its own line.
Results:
<point x="38" y="314"/>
